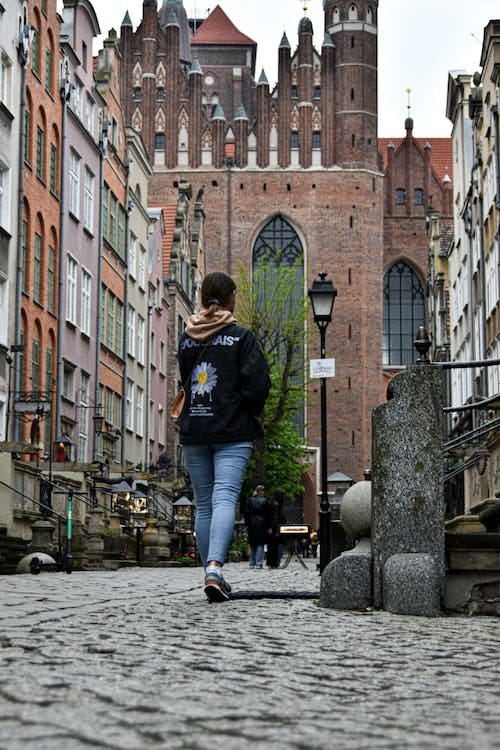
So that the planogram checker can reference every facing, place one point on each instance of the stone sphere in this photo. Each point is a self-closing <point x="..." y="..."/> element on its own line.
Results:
<point x="356" y="510"/>
<point x="23" y="566"/>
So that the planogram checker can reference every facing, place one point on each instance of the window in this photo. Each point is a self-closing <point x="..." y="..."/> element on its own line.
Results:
<point x="140" y="339"/>
<point x="68" y="382"/>
<point x="400" y="196"/>
<point x="160" y="94"/>
<point x="132" y="255"/>
<point x="294" y="91"/>
<point x="5" y="80"/>
<point x="112" y="220"/>
<point x="24" y="255"/>
<point x="26" y="136"/>
<point x="162" y="357"/>
<point x="131" y="331"/>
<point x="403" y="314"/>
<point x="40" y="139"/>
<point x="83" y="421"/>
<point x="141" y="268"/>
<point x="71" y="279"/>
<point x="53" y="169"/>
<point x="121" y="231"/>
<point x="294" y="139"/>
<point x="49" y="370"/>
<point x="78" y="92"/>
<point x="86" y="302"/>
<point x="4" y="197"/>
<point x="316" y="141"/>
<point x="37" y="269"/>
<point x="35" y="366"/>
<point x="3" y="309"/>
<point x="129" y="405"/>
<point x="138" y="94"/>
<point x="35" y="53"/>
<point x="48" y="70"/>
<point x="317" y="92"/>
<point x="74" y="184"/>
<point x="88" y="201"/>
<point x="139" y="411"/>
<point x="119" y="329"/>
<point x="89" y="114"/>
<point x="159" y="141"/>
<point x="419" y="197"/>
<point x="51" y="275"/>
<point x="278" y="246"/>
<point x="105" y="212"/>
<point x="161" y="425"/>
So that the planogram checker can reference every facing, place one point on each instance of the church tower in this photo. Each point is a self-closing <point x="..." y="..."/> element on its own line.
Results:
<point x="352" y="27"/>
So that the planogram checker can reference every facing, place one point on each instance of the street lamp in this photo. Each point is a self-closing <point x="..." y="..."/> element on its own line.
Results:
<point x="322" y="295"/>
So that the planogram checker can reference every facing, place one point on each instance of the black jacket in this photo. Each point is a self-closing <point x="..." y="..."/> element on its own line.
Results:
<point x="227" y="383"/>
<point x="257" y="519"/>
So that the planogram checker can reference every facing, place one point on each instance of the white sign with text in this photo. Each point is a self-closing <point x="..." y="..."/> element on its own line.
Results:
<point x="322" y="368"/>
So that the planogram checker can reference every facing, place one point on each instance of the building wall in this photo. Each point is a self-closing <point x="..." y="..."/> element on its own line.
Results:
<point x="11" y="25"/>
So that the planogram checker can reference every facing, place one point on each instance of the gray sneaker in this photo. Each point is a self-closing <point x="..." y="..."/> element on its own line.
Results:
<point x="216" y="588"/>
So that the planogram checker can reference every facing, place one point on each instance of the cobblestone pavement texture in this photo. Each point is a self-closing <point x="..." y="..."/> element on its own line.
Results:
<point x="137" y="658"/>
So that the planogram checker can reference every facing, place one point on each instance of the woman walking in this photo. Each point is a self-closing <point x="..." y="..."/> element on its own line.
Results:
<point x="227" y="383"/>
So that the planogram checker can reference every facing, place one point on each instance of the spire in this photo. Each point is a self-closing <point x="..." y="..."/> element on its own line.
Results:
<point x="408" y="121"/>
<point x="127" y="21"/>
<point x="328" y="41"/>
<point x="284" y="41"/>
<point x="263" y="79"/>
<point x="240" y="113"/>
<point x="218" y="113"/>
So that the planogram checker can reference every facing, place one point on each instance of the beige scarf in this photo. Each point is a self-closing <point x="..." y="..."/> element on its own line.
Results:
<point x="205" y="324"/>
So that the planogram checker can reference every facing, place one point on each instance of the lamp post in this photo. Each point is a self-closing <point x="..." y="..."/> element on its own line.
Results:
<point x="322" y="295"/>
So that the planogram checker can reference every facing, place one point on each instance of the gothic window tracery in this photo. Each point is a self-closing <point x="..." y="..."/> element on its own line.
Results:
<point x="137" y="75"/>
<point x="137" y="120"/>
<point x="404" y="312"/>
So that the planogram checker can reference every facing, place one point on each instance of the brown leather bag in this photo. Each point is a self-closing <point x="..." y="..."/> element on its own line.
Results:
<point x="178" y="404"/>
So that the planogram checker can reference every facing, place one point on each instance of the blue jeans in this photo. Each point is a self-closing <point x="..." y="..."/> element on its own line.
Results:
<point x="256" y="556"/>
<point x="217" y="473"/>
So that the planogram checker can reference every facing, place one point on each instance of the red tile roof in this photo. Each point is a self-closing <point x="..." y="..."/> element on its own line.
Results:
<point x="218" y="29"/>
<point x="441" y="153"/>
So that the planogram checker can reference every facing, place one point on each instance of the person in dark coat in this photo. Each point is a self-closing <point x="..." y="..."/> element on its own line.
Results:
<point x="258" y="523"/>
<point x="277" y="516"/>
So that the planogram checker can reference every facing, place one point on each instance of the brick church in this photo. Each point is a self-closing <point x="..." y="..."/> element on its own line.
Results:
<point x="296" y="173"/>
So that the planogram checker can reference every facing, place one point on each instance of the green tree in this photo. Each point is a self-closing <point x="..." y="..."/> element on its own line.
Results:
<point x="268" y="306"/>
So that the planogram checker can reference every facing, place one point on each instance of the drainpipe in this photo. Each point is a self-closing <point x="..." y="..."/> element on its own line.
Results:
<point x="25" y="39"/>
<point x="65" y="91"/>
<point x="229" y="162"/>
<point x="129" y="209"/>
<point x="103" y="140"/>
<point x="148" y="387"/>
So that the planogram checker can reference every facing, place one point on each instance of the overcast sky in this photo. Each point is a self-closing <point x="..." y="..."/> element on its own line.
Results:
<point x="419" y="42"/>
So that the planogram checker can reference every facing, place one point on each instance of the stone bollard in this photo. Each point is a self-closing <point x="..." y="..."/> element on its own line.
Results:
<point x="346" y="582"/>
<point x="163" y="540"/>
<point x="95" y="541"/>
<point x="41" y="539"/>
<point x="150" y="542"/>
<point x="407" y="490"/>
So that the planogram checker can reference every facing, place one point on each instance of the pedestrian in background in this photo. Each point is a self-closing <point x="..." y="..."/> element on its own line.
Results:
<point x="277" y="518"/>
<point x="258" y="523"/>
<point x="227" y="382"/>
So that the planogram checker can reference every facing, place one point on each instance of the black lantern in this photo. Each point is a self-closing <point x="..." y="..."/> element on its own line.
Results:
<point x="322" y="295"/>
<point x="183" y="515"/>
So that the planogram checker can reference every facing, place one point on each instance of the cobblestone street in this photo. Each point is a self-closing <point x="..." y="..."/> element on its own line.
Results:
<point x="137" y="658"/>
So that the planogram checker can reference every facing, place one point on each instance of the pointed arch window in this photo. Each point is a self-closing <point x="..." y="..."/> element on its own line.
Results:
<point x="278" y="245"/>
<point x="404" y="312"/>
